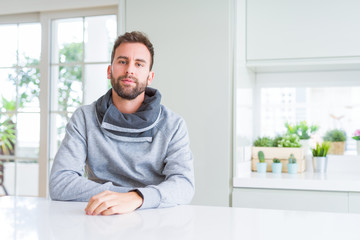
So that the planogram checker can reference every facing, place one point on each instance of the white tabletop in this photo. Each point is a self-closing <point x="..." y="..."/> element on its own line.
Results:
<point x="38" y="218"/>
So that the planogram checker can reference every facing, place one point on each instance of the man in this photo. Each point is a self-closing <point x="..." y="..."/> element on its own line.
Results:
<point x="135" y="151"/>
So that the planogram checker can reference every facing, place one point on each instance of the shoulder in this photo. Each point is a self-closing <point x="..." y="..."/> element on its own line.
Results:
<point x="170" y="122"/>
<point x="82" y="113"/>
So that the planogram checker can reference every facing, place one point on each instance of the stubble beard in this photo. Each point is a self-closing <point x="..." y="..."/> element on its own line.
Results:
<point x="127" y="92"/>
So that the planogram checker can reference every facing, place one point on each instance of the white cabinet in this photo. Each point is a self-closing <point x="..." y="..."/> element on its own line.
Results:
<point x="354" y="202"/>
<point x="302" y="29"/>
<point x="326" y="201"/>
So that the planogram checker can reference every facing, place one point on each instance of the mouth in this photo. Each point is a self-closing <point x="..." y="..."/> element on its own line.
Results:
<point x="127" y="80"/>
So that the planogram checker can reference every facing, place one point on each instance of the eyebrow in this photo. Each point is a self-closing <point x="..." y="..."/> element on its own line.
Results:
<point x="138" y="59"/>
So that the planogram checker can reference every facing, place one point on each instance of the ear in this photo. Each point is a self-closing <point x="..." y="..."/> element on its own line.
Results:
<point x="150" y="77"/>
<point x="109" y="72"/>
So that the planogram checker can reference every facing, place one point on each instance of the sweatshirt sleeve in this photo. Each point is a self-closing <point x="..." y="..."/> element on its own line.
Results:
<point x="178" y="186"/>
<point x="67" y="181"/>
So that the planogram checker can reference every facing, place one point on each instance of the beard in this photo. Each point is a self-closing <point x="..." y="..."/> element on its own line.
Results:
<point x="127" y="92"/>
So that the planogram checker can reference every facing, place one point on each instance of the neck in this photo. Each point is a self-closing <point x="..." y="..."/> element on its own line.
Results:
<point x="125" y="105"/>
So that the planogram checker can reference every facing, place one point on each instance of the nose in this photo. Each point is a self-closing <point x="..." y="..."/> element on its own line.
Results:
<point x="130" y="70"/>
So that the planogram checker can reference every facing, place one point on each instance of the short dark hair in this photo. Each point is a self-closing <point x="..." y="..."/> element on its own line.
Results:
<point x="134" y="37"/>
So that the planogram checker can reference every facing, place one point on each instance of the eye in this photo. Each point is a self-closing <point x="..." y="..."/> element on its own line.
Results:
<point x="139" y="65"/>
<point x="122" y="62"/>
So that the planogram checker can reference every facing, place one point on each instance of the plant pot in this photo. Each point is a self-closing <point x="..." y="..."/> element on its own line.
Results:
<point x="261" y="167"/>
<point x="337" y="148"/>
<point x="276" y="168"/>
<point x="320" y="164"/>
<point x="358" y="147"/>
<point x="292" y="168"/>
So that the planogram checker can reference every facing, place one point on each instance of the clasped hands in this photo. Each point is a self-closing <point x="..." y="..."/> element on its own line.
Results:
<point x="109" y="203"/>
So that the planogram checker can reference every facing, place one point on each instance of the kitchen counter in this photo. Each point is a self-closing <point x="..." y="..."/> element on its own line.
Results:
<point x="346" y="182"/>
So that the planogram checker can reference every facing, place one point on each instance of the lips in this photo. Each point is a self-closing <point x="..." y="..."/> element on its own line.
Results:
<point x="127" y="80"/>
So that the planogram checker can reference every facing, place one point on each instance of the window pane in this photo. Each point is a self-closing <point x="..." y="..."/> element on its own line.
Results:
<point x="8" y="45"/>
<point x="29" y="89"/>
<point x="27" y="177"/>
<point x="67" y="40"/>
<point x="100" y="33"/>
<point x="29" y="44"/>
<point x="68" y="88"/>
<point x="28" y="135"/>
<point x="96" y="82"/>
<point x="8" y="80"/>
<point x="57" y="134"/>
<point x="7" y="134"/>
<point x="8" y="176"/>
<point x="314" y="105"/>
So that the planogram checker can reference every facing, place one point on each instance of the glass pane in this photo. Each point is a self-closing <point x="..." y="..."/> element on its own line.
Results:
<point x="29" y="44"/>
<point x="28" y="135"/>
<point x="100" y="34"/>
<point x="8" y="45"/>
<point x="57" y="131"/>
<point x="315" y="106"/>
<point x="67" y="90"/>
<point x="8" y="80"/>
<point x="7" y="134"/>
<point x="8" y="176"/>
<point x="29" y="89"/>
<point x="27" y="178"/>
<point x="67" y="40"/>
<point x="96" y="82"/>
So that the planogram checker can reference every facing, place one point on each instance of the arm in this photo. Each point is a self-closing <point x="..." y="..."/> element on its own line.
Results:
<point x="178" y="186"/>
<point x="67" y="182"/>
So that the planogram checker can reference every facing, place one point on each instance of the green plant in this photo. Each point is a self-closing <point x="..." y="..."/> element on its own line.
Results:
<point x="261" y="156"/>
<point x="321" y="150"/>
<point x="335" y="135"/>
<point x="302" y="129"/>
<point x="277" y="140"/>
<point x="7" y="136"/>
<point x="263" y="142"/>
<point x="289" y="140"/>
<point x="292" y="159"/>
<point x="276" y="160"/>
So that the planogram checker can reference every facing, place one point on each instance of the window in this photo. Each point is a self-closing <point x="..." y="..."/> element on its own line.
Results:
<point x="81" y="51"/>
<point x="20" y="109"/>
<point x="62" y="55"/>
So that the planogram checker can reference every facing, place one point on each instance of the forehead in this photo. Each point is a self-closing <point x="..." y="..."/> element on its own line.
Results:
<point x="133" y="51"/>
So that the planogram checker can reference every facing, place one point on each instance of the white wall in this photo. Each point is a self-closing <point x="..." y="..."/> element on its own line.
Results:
<point x="192" y="59"/>
<point x="193" y="65"/>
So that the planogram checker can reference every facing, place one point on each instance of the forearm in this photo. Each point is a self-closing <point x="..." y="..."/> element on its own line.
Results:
<point x="69" y="186"/>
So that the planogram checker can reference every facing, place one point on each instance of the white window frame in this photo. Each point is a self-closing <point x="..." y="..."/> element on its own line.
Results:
<point x="45" y="19"/>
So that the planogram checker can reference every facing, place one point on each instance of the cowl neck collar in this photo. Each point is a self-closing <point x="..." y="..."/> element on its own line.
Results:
<point x="133" y="127"/>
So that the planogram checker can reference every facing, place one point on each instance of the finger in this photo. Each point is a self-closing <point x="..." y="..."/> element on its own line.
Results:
<point x="104" y="206"/>
<point x="118" y="209"/>
<point x="95" y="201"/>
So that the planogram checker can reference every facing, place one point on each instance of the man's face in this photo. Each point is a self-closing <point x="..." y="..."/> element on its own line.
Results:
<point x="130" y="70"/>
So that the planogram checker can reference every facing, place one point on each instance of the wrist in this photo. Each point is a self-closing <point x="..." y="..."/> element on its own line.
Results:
<point x="138" y="197"/>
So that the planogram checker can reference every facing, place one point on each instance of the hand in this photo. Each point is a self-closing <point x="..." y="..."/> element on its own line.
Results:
<point x="108" y="203"/>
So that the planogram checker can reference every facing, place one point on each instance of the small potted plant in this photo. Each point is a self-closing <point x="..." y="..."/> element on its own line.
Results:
<point x="261" y="165"/>
<point x="320" y="157"/>
<point x="337" y="139"/>
<point x="304" y="131"/>
<point x="357" y="138"/>
<point x="292" y="165"/>
<point x="276" y="166"/>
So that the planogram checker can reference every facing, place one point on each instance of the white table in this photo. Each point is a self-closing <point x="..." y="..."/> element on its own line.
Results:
<point x="39" y="218"/>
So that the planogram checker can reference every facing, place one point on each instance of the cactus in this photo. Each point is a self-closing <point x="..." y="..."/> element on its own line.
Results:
<point x="276" y="160"/>
<point x="261" y="156"/>
<point x="292" y="159"/>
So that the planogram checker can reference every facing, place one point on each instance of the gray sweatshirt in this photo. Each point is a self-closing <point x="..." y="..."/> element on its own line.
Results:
<point x="148" y="151"/>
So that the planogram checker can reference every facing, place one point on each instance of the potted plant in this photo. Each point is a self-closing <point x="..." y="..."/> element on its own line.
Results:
<point x="279" y="147"/>
<point x="357" y="138"/>
<point x="337" y="138"/>
<point x="320" y="157"/>
<point x="292" y="165"/>
<point x="276" y="166"/>
<point x="261" y="165"/>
